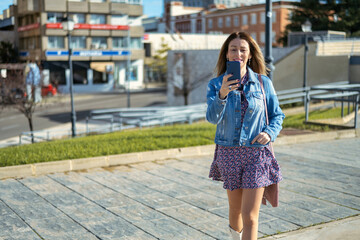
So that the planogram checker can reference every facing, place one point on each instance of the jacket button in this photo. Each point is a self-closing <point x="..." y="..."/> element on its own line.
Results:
<point x="243" y="143"/>
<point x="251" y="111"/>
<point x="246" y="128"/>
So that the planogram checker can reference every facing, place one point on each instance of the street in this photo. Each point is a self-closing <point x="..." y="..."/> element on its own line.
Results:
<point x="57" y="111"/>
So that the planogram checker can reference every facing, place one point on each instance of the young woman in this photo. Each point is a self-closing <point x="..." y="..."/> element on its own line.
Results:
<point x="243" y="159"/>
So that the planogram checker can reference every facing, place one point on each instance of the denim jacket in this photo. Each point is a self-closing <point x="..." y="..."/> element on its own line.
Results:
<point x="227" y="113"/>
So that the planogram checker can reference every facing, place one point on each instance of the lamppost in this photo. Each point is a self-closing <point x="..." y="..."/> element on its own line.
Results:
<point x="68" y="26"/>
<point x="268" y="38"/>
<point x="128" y="62"/>
<point x="306" y="27"/>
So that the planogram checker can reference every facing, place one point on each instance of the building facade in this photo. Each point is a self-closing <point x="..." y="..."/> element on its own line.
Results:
<point x="207" y="3"/>
<point x="100" y="52"/>
<point x="250" y="18"/>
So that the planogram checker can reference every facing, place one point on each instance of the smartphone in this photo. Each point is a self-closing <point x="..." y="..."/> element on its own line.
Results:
<point x="233" y="67"/>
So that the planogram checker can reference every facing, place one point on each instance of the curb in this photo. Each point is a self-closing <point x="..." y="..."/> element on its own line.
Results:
<point x="37" y="169"/>
<point x="345" y="229"/>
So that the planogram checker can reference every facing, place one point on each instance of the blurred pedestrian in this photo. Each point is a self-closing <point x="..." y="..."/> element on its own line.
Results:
<point x="33" y="82"/>
<point x="243" y="157"/>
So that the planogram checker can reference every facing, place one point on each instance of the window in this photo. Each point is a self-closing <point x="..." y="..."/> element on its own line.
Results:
<point x="262" y="16"/>
<point x="244" y="19"/>
<point x="228" y="21"/>
<point x="135" y="43"/>
<point x="99" y="1"/>
<point x="99" y="43"/>
<point x="134" y="73"/>
<point x="273" y="16"/>
<point x="100" y="77"/>
<point x="78" y="17"/>
<point x="54" y="17"/>
<point x="97" y="19"/>
<point x="55" y="42"/>
<point x="118" y="20"/>
<point x="210" y="23"/>
<point x="236" y="21"/>
<point x="262" y="37"/>
<point x="253" y="18"/>
<point x="78" y="42"/>
<point x="119" y="42"/>
<point x="253" y="35"/>
<point x="119" y="1"/>
<point x="274" y="37"/>
<point x="80" y="73"/>
<point x="220" y="22"/>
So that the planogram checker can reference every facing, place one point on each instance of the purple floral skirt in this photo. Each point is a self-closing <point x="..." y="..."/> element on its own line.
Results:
<point x="244" y="167"/>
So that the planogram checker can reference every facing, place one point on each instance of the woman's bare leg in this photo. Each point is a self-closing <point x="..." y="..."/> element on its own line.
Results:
<point x="250" y="208"/>
<point x="235" y="219"/>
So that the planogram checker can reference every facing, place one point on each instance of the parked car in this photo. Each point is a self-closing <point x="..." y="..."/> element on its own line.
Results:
<point x="48" y="90"/>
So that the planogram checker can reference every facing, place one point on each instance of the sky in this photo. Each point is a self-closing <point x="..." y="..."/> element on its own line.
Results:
<point x="151" y="7"/>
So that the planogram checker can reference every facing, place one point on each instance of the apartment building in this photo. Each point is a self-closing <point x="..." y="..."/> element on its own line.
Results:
<point x="206" y="3"/>
<point x="98" y="41"/>
<point x="250" y="18"/>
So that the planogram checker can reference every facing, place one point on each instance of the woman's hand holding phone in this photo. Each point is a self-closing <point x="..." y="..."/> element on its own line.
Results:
<point x="228" y="86"/>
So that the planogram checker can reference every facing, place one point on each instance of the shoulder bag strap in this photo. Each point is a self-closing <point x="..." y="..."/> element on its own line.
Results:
<point x="263" y="92"/>
<point x="266" y="111"/>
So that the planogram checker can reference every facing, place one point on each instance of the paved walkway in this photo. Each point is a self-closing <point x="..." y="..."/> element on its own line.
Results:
<point x="174" y="199"/>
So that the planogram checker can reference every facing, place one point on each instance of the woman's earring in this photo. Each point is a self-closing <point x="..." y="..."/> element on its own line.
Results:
<point x="249" y="61"/>
<point x="227" y="59"/>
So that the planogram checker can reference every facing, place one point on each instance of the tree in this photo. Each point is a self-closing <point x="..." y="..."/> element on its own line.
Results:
<point x="159" y="63"/>
<point x="8" y="54"/>
<point x="188" y="73"/>
<point x="13" y="93"/>
<point x="338" y="15"/>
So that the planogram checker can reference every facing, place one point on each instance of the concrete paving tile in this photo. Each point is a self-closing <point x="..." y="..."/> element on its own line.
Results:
<point x="276" y="226"/>
<point x="5" y="210"/>
<point x="88" y="213"/>
<point x="60" y="227"/>
<point x="112" y="228"/>
<point x="264" y="217"/>
<point x="113" y="200"/>
<point x="25" y="236"/>
<point x="124" y="186"/>
<point x="205" y="201"/>
<point x="159" y="200"/>
<point x="221" y="211"/>
<point x="37" y="211"/>
<point x="139" y="236"/>
<point x="310" y="204"/>
<point x="342" y="199"/>
<point x="171" y="229"/>
<point x="175" y="190"/>
<point x="66" y="199"/>
<point x="190" y="168"/>
<point x="297" y="216"/>
<point x="137" y="212"/>
<point x="337" y="212"/>
<point x="189" y="215"/>
<point x="13" y="225"/>
<point x="216" y="228"/>
<point x="148" y="180"/>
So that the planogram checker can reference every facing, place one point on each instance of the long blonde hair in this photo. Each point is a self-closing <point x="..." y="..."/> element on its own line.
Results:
<point x="257" y="63"/>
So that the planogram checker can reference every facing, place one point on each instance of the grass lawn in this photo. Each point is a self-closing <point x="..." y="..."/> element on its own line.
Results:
<point x="176" y="136"/>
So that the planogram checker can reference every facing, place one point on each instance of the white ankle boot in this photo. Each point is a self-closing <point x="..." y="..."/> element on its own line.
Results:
<point x="234" y="234"/>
